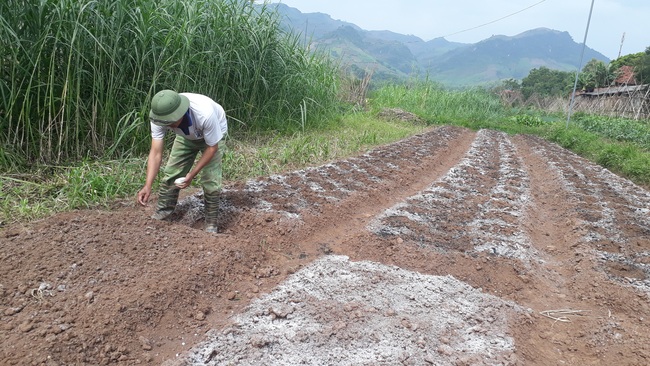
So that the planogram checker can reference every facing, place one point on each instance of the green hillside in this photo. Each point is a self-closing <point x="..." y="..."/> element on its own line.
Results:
<point x="396" y="56"/>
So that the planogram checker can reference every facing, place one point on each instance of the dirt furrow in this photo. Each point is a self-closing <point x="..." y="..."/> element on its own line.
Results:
<point x="478" y="206"/>
<point x="613" y="213"/>
<point x="307" y="191"/>
<point x="562" y="223"/>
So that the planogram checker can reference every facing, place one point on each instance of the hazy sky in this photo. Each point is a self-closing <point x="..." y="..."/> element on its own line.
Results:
<point x="455" y="19"/>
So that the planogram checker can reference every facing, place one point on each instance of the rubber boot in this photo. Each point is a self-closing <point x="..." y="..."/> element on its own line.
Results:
<point x="167" y="199"/>
<point x="211" y="211"/>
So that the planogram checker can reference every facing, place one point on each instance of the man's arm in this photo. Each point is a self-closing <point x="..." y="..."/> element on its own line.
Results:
<point x="153" y="165"/>
<point x="206" y="156"/>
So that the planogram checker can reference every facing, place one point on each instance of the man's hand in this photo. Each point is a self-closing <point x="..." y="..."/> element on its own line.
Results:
<point x="206" y="156"/>
<point x="143" y="196"/>
<point x="183" y="182"/>
<point x="153" y="164"/>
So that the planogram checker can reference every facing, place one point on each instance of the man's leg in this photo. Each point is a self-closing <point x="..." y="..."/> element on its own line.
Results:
<point x="211" y="180"/>
<point x="181" y="159"/>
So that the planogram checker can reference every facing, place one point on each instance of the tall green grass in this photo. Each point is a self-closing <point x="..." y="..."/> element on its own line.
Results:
<point x="77" y="75"/>
<point x="436" y="104"/>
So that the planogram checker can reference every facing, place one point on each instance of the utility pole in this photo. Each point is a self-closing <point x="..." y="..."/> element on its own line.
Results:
<point x="575" y="85"/>
<point x="621" y="48"/>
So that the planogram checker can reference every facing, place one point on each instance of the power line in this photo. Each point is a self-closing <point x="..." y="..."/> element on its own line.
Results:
<point x="494" y="21"/>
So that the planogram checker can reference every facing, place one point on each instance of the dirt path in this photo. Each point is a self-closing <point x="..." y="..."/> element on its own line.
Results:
<point x="450" y="247"/>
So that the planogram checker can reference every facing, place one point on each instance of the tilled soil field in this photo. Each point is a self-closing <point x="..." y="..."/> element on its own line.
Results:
<point x="452" y="247"/>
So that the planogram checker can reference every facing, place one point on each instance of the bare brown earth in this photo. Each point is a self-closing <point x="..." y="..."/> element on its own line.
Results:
<point x="542" y="254"/>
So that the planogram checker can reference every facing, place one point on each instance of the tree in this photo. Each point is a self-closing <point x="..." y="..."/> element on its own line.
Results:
<point x="642" y="70"/>
<point x="510" y="84"/>
<point x="596" y="74"/>
<point x="627" y="60"/>
<point x="546" y="82"/>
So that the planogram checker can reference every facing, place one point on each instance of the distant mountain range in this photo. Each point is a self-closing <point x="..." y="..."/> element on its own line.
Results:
<point x="394" y="56"/>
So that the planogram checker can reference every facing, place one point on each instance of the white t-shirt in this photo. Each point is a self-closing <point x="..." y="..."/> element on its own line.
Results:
<point x="207" y="118"/>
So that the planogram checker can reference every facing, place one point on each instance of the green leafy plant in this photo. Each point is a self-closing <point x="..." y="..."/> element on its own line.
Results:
<point x="619" y="129"/>
<point x="527" y="120"/>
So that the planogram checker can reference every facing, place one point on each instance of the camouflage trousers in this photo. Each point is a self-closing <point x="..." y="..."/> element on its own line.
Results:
<point x="180" y="162"/>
